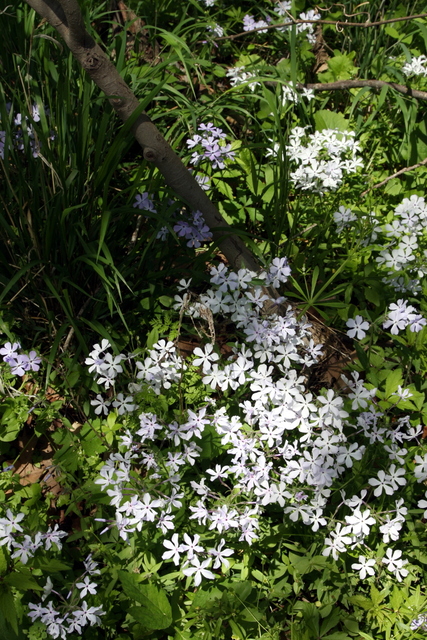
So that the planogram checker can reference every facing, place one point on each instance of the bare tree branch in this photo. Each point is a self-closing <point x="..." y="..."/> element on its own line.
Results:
<point x="374" y="84"/>
<point x="65" y="16"/>
<point x="337" y="23"/>
<point x="394" y="175"/>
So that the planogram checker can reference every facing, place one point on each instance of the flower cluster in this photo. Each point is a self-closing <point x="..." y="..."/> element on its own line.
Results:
<point x="343" y="218"/>
<point x="284" y="7"/>
<point x="403" y="254"/>
<point x="216" y="29"/>
<point x="324" y="160"/>
<point x="72" y="618"/>
<point x="400" y="242"/>
<point x="249" y="24"/>
<point x="144" y="201"/>
<point x="308" y="28"/>
<point x="417" y="67"/>
<point x="290" y="94"/>
<point x="160" y="369"/>
<point x="284" y="447"/>
<point x="401" y="315"/>
<point x="195" y="232"/>
<point x="239" y="76"/>
<point x="211" y="146"/>
<point x="20" y="363"/>
<point x="104" y="366"/>
<point x="23" y="545"/>
<point x="420" y="623"/>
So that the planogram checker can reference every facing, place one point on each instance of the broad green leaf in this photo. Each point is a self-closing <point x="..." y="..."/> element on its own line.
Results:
<point x="259" y="575"/>
<point x="203" y="598"/>
<point x="224" y="188"/>
<point x="325" y="119"/>
<point x="363" y="358"/>
<point x="393" y="380"/>
<point x="340" y="67"/>
<point x="52" y="566"/>
<point x="373" y="295"/>
<point x="351" y="624"/>
<point x="155" y="612"/>
<point x="398" y="597"/>
<point x="166" y="301"/>
<point x="392" y="32"/>
<point x="361" y="601"/>
<point x="22" y="582"/>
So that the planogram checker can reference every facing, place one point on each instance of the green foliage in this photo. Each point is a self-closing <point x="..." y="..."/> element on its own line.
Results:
<point x="79" y="263"/>
<point x="155" y="611"/>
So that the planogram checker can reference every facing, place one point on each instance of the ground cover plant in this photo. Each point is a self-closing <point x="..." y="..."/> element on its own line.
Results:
<point x="192" y="448"/>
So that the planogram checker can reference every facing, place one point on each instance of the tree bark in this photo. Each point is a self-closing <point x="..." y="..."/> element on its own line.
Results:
<point x="65" y="16"/>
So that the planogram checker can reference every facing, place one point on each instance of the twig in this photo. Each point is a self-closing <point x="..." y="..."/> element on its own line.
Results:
<point x="394" y="175"/>
<point x="354" y="84"/>
<point x="337" y="23"/>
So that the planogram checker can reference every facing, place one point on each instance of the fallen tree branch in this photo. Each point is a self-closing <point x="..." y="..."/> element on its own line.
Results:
<point x="65" y="16"/>
<point x="423" y="163"/>
<point x="337" y="23"/>
<point x="355" y="84"/>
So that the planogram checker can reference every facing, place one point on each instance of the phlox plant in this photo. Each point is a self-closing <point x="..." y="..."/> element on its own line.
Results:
<point x="396" y="243"/>
<point x="190" y="497"/>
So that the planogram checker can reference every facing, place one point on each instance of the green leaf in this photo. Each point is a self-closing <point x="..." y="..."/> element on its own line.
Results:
<point x="22" y="582"/>
<point x="331" y="621"/>
<point x="362" y="602"/>
<point x="373" y="295"/>
<point x="202" y="598"/>
<point x="155" y="612"/>
<point x="398" y="597"/>
<point x="224" y="188"/>
<point x="351" y="624"/>
<point x="363" y="358"/>
<point x="340" y="67"/>
<point x="152" y="337"/>
<point x="7" y="633"/>
<point x="326" y="119"/>
<point x="52" y="566"/>
<point x="7" y="607"/>
<point x="393" y="380"/>
<point x="3" y="561"/>
<point x="259" y="575"/>
<point x="166" y="301"/>
<point x="392" y="32"/>
<point x="242" y="589"/>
